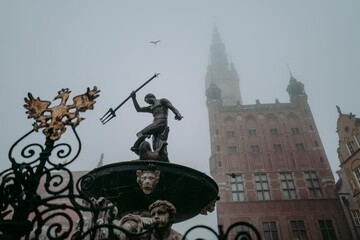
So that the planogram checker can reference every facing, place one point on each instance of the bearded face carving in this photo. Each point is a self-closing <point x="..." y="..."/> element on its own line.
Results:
<point x="147" y="180"/>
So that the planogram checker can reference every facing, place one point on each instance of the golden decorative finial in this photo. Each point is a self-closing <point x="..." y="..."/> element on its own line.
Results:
<point x="55" y="119"/>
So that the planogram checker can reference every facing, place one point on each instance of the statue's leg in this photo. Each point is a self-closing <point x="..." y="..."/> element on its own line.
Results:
<point x="155" y="142"/>
<point x="163" y="154"/>
<point x="153" y="129"/>
<point x="160" y="139"/>
<point x="164" y="135"/>
<point x="137" y="143"/>
<point x="156" y="127"/>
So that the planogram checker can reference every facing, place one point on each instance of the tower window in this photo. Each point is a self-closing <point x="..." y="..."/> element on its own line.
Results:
<point x="262" y="186"/>
<point x="270" y="230"/>
<point x="237" y="188"/>
<point x="255" y="148"/>
<point x="287" y="185"/>
<point x="300" y="146"/>
<point x="218" y="148"/>
<point x="252" y="132"/>
<point x="313" y="184"/>
<point x="295" y="131"/>
<point x="242" y="230"/>
<point x="298" y="230"/>
<point x="230" y="134"/>
<point x="274" y="132"/>
<point x="232" y="150"/>
<point x="277" y="147"/>
<point x="327" y="229"/>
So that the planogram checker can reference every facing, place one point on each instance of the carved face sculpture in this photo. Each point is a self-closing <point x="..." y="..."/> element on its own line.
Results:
<point x="161" y="216"/>
<point x="131" y="223"/>
<point x="147" y="180"/>
<point x="163" y="213"/>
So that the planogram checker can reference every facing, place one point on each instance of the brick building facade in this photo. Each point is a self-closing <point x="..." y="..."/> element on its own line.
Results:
<point x="268" y="160"/>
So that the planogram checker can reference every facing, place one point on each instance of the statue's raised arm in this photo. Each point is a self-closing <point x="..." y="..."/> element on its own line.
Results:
<point x="136" y="104"/>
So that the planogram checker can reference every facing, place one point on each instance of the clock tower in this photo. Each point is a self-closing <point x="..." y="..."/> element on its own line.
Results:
<point x="222" y="73"/>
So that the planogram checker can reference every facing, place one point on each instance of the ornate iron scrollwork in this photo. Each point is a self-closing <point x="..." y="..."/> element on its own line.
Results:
<point x="40" y="197"/>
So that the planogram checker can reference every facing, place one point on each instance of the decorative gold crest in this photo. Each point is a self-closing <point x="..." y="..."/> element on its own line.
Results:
<point x="55" y="119"/>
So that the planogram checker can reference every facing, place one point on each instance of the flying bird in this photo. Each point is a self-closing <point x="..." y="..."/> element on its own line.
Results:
<point x="155" y="42"/>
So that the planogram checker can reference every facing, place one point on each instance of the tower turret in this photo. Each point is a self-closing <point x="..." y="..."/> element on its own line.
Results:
<point x="296" y="90"/>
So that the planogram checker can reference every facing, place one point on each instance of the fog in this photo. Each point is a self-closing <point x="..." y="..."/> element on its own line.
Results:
<point x="49" y="45"/>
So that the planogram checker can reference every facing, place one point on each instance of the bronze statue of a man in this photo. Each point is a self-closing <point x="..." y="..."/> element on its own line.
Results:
<point x="158" y="129"/>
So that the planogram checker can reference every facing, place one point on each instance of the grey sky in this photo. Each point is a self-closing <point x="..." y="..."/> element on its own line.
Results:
<point x="49" y="45"/>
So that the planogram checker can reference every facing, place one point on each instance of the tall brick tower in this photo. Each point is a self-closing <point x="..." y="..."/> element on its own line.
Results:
<point x="268" y="160"/>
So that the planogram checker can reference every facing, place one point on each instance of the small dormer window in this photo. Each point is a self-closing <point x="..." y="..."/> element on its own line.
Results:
<point x="350" y="148"/>
<point x="357" y="175"/>
<point x="357" y="139"/>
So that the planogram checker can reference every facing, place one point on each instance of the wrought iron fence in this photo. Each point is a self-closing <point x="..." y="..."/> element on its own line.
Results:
<point x="40" y="199"/>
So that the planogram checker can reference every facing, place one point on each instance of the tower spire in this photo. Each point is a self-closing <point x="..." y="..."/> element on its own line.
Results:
<point x="288" y="66"/>
<point x="222" y="73"/>
<point x="295" y="88"/>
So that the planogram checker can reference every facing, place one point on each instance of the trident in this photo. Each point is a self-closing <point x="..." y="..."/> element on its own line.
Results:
<point x="111" y="113"/>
